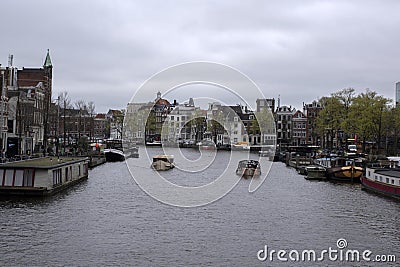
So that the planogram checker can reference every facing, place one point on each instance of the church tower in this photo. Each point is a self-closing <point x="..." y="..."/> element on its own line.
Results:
<point x="48" y="75"/>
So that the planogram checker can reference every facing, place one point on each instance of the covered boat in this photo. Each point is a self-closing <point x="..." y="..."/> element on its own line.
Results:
<point x="248" y="168"/>
<point x="113" y="151"/>
<point x="163" y="162"/>
<point x="341" y="169"/>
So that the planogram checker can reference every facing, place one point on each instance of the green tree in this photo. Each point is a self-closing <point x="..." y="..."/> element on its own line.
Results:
<point x="365" y="117"/>
<point x="330" y="118"/>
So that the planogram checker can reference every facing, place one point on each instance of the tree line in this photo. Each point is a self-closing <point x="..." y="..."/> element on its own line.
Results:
<point x="368" y="116"/>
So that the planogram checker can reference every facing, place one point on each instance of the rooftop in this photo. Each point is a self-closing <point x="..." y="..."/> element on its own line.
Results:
<point x="42" y="163"/>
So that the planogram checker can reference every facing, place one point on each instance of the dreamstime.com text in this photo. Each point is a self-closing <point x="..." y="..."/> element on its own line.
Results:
<point x="340" y="253"/>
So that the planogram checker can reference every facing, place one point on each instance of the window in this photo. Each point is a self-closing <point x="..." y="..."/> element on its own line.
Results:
<point x="8" y="179"/>
<point x="387" y="180"/>
<point x="57" y="177"/>
<point x="19" y="177"/>
<point x="392" y="181"/>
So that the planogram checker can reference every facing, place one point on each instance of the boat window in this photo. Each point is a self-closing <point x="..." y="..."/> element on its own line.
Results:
<point x="57" y="175"/>
<point x="369" y="173"/>
<point x="392" y="181"/>
<point x="8" y="181"/>
<point x="387" y="180"/>
<point x="1" y="177"/>
<point x="376" y="178"/>
<point x="380" y="179"/>
<point x="28" y="177"/>
<point x="19" y="177"/>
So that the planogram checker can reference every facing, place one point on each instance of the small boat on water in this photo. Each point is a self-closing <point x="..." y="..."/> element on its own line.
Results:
<point x="113" y="151"/>
<point x="131" y="152"/>
<point x="384" y="181"/>
<point x="248" y="168"/>
<point x="341" y="169"/>
<point x="207" y="145"/>
<point x="315" y="173"/>
<point x="163" y="162"/>
<point x="154" y="143"/>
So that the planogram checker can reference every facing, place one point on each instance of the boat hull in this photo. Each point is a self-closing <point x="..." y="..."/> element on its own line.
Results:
<point x="345" y="174"/>
<point x="114" y="155"/>
<point x="380" y="188"/>
<point x="248" y="172"/>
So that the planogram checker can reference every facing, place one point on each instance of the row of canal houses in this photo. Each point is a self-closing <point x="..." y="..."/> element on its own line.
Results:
<point x="162" y="120"/>
<point x="32" y="120"/>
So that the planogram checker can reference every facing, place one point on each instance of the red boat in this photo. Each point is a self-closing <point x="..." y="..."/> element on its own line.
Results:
<point x="384" y="181"/>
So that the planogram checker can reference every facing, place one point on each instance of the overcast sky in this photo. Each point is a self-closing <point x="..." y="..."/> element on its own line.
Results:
<point x="102" y="51"/>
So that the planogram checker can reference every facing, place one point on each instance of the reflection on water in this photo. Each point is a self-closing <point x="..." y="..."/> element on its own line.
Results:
<point x="109" y="220"/>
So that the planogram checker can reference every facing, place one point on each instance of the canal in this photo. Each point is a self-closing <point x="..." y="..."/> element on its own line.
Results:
<point x="109" y="220"/>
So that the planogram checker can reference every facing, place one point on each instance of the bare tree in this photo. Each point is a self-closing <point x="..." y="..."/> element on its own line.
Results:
<point x="90" y="107"/>
<point x="81" y="106"/>
<point x="64" y="102"/>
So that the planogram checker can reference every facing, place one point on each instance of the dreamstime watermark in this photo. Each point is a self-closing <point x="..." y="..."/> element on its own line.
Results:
<point x="340" y="253"/>
<point x="157" y="121"/>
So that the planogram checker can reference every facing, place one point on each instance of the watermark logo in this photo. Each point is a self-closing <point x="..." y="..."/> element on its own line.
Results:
<point x="162" y="122"/>
<point x="340" y="253"/>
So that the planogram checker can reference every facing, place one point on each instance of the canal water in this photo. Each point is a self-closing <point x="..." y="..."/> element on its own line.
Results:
<point x="109" y="220"/>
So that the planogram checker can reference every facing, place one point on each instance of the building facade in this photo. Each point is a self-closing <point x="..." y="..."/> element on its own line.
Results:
<point x="311" y="111"/>
<point x="283" y="121"/>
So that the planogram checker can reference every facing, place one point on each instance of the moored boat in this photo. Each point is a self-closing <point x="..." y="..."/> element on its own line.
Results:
<point x="42" y="176"/>
<point x="207" y="145"/>
<point x="384" y="181"/>
<point x="163" y="162"/>
<point x="154" y="143"/>
<point x="315" y="173"/>
<point x="341" y="169"/>
<point x="248" y="168"/>
<point x="113" y="155"/>
<point x="113" y="151"/>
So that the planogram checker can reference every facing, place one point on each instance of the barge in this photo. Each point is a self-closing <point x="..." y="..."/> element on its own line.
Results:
<point x="42" y="176"/>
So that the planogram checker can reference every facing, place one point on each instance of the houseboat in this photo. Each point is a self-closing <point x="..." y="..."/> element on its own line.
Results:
<point x="341" y="169"/>
<point x="384" y="181"/>
<point x="163" y="162"/>
<point x="42" y="176"/>
<point x="113" y="151"/>
<point x="248" y="168"/>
